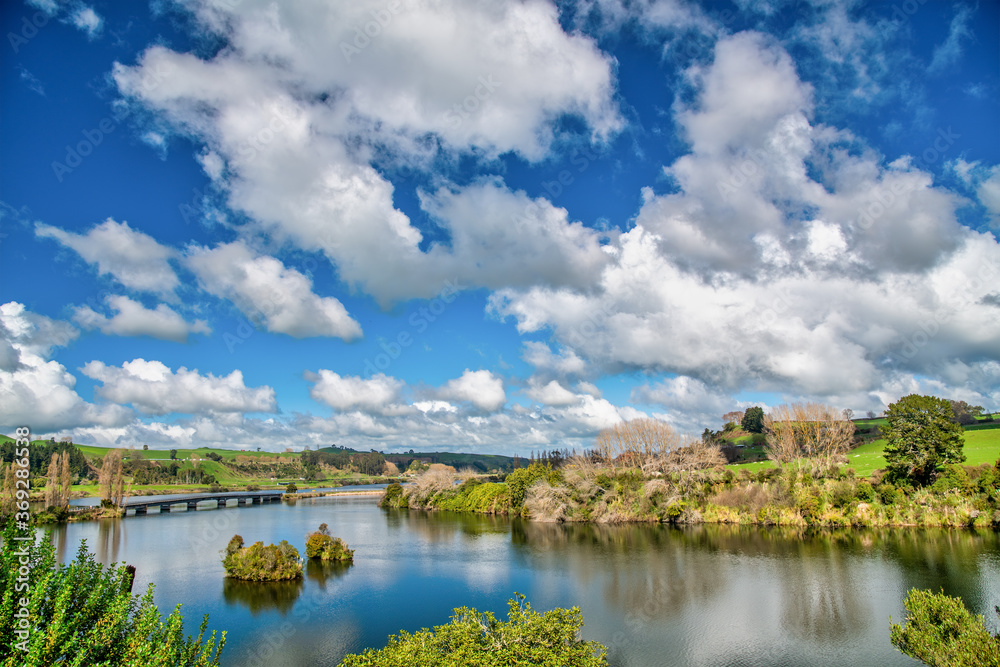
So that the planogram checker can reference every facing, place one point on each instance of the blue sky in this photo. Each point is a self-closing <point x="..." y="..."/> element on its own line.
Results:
<point x="495" y="226"/>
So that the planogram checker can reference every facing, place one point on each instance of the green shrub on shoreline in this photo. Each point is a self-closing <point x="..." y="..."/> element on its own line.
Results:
<point x="274" y="562"/>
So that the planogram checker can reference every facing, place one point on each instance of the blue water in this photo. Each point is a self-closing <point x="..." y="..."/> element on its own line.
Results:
<point x="656" y="595"/>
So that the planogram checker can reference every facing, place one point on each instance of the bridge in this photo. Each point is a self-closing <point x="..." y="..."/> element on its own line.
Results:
<point x="191" y="502"/>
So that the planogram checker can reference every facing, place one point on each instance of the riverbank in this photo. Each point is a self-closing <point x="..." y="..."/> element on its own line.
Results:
<point x="800" y="494"/>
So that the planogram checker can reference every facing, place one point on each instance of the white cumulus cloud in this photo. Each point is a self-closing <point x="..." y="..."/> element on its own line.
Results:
<point x="153" y="388"/>
<point x="263" y="288"/>
<point x="133" y="319"/>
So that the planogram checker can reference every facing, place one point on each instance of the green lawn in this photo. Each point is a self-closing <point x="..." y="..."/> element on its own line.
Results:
<point x="982" y="445"/>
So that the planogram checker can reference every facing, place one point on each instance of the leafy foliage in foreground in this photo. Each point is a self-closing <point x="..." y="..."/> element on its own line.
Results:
<point x="274" y="562"/>
<point x="942" y="632"/>
<point x="84" y="614"/>
<point x="479" y="640"/>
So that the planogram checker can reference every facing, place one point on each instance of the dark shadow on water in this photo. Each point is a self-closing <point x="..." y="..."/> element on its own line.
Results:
<point x="262" y="596"/>
<point x="322" y="571"/>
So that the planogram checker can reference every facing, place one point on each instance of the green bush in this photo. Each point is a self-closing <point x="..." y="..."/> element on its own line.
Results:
<point x="521" y="479"/>
<point x="842" y="494"/>
<point x="261" y="563"/>
<point x="865" y="492"/>
<point x="82" y="613"/>
<point x="392" y="495"/>
<point x="321" y="545"/>
<point x="940" y="630"/>
<point x="474" y="639"/>
<point x="889" y="494"/>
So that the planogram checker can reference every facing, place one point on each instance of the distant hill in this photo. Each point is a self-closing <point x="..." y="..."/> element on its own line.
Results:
<point x="478" y="462"/>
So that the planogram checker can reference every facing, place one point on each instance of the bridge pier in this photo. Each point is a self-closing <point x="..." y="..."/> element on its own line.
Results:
<point x="255" y="500"/>
<point x="140" y="510"/>
<point x="165" y="507"/>
<point x="192" y="504"/>
<point x="221" y="503"/>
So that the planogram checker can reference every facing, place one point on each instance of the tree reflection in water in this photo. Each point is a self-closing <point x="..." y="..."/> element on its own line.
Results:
<point x="262" y="596"/>
<point x="321" y="570"/>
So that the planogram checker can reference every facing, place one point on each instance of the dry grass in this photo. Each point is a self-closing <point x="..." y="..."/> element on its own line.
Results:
<point x="751" y="498"/>
<point x="547" y="503"/>
<point x="429" y="484"/>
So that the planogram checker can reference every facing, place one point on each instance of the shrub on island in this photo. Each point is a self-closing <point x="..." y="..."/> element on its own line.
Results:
<point x="274" y="562"/>
<point x="321" y="545"/>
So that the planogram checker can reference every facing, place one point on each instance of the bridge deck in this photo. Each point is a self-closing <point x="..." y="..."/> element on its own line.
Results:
<point x="191" y="501"/>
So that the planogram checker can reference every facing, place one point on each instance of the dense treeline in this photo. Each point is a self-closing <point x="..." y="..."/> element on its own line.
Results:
<point x="40" y="454"/>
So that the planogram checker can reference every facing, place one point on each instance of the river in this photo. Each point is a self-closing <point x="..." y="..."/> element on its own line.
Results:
<point x="655" y="595"/>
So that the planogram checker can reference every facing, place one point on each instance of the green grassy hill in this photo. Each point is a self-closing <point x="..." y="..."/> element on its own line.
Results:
<point x="982" y="445"/>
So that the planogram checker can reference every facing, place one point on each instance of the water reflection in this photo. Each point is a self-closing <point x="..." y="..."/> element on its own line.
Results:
<point x="322" y="570"/>
<point x="261" y="596"/>
<point x="110" y="534"/>
<point x="446" y="526"/>
<point x="654" y="594"/>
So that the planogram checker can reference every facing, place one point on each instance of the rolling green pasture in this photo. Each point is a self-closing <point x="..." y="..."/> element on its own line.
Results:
<point x="982" y="445"/>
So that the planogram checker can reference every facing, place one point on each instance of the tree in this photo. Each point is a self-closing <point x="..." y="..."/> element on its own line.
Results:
<point x="145" y="448"/>
<point x="65" y="480"/>
<point x="965" y="413"/>
<point x="753" y="420"/>
<point x="477" y="639"/>
<point x="82" y="613"/>
<point x="806" y="430"/>
<point x="734" y="417"/>
<point x="112" y="479"/>
<point x="848" y="414"/>
<point x="637" y="441"/>
<point x="173" y="454"/>
<point x="920" y="435"/>
<point x="940" y="630"/>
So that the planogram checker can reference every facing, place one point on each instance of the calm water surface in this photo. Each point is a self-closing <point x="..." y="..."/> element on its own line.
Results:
<point x="655" y="595"/>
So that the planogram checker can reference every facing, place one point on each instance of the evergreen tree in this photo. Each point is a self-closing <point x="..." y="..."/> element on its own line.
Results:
<point x="753" y="420"/>
<point x="921" y="435"/>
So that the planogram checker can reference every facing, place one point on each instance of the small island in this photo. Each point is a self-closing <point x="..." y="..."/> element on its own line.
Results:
<point x="274" y="562"/>
<point x="323" y="546"/>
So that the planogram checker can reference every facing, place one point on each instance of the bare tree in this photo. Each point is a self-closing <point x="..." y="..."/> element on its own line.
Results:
<point x="112" y="478"/>
<point x="694" y="456"/>
<point x="65" y="480"/>
<point x="636" y="442"/>
<point x="806" y="430"/>
<point x="848" y="414"/>
<point x="52" y="482"/>
<point x="734" y="417"/>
